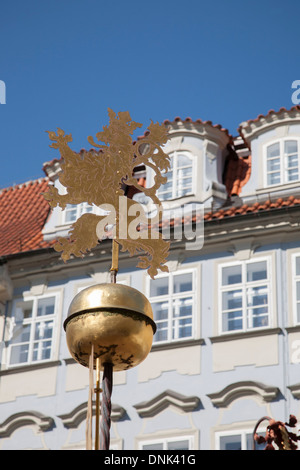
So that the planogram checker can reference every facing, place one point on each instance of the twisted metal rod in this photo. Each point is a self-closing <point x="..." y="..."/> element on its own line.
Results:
<point x="107" y="382"/>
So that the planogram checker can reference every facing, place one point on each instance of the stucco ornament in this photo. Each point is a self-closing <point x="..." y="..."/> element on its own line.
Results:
<point x="99" y="176"/>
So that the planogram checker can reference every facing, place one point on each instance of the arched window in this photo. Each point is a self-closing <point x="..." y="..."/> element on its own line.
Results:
<point x="282" y="162"/>
<point x="180" y="176"/>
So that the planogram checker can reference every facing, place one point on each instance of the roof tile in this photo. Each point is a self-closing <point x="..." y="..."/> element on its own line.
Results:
<point x="23" y="214"/>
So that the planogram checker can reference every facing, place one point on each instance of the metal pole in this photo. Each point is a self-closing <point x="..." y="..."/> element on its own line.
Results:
<point x="115" y="262"/>
<point x="97" y="392"/>
<point x="107" y="382"/>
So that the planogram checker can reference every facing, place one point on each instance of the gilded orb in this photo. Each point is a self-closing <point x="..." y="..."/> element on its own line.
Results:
<point x="116" y="319"/>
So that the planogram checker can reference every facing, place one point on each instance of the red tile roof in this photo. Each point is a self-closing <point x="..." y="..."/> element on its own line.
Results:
<point x="238" y="172"/>
<point x="256" y="207"/>
<point x="23" y="213"/>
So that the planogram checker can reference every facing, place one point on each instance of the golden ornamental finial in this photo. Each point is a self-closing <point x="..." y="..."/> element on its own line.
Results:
<point x="98" y="177"/>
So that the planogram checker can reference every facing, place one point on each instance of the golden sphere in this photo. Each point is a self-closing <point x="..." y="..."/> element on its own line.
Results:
<point x="116" y="319"/>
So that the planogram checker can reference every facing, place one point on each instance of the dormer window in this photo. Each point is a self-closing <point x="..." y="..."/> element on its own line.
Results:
<point x="73" y="211"/>
<point x="282" y="161"/>
<point x="180" y="176"/>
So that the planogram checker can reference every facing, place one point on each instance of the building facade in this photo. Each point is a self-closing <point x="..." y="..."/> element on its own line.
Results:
<point x="227" y="347"/>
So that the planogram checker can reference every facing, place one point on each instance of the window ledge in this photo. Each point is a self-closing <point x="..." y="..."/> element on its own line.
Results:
<point x="29" y="367"/>
<point x="293" y="329"/>
<point x="177" y="344"/>
<point x="244" y="334"/>
<point x="278" y="187"/>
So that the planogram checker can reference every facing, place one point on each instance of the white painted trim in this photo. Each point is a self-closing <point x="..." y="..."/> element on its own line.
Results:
<point x="243" y="286"/>
<point x="295" y="278"/>
<point x="166" y="440"/>
<point x="56" y="316"/>
<point x="237" y="432"/>
<point x="189" y="268"/>
<point x="281" y="141"/>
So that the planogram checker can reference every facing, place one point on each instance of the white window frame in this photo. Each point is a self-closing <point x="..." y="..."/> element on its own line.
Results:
<point x="168" y="298"/>
<point x="79" y="208"/>
<point x="236" y="432"/>
<point x="295" y="279"/>
<point x="166" y="440"/>
<point x="243" y="286"/>
<point x="32" y="322"/>
<point x="174" y="158"/>
<point x="282" y="155"/>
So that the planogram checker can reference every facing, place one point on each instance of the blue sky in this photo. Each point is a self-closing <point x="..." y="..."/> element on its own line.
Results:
<point x="66" y="62"/>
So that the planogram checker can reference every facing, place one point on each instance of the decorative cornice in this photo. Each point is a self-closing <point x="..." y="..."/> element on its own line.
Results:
<point x="150" y="408"/>
<point x="201" y="129"/>
<point x="245" y="334"/>
<point x="250" y="129"/>
<point x="25" y="418"/>
<point x="30" y="367"/>
<point x="177" y="344"/>
<point x="236" y="390"/>
<point x="78" y="414"/>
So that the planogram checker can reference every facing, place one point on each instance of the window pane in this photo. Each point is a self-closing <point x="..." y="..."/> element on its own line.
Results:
<point x="232" y="300"/>
<point x="19" y="354"/>
<point x="46" y="306"/>
<point x="298" y="290"/>
<point x="157" y="446"/>
<point x="182" y="328"/>
<point x="273" y="150"/>
<point x="183" y="282"/>
<point x="183" y="161"/>
<point x="166" y="188"/>
<point x="183" y="307"/>
<point x="23" y="311"/>
<point x="161" y="332"/>
<point x="43" y="330"/>
<point x="70" y="213"/>
<point x="159" y="286"/>
<point x="231" y="275"/>
<point x="257" y="296"/>
<point x="230" y="443"/>
<point x="298" y="266"/>
<point x="41" y="350"/>
<point x="249" y="439"/>
<point x="274" y="178"/>
<point x="259" y="317"/>
<point x="21" y="334"/>
<point x="178" y="445"/>
<point x="290" y="146"/>
<point x="165" y="196"/>
<point x="292" y="161"/>
<point x="232" y="321"/>
<point x="292" y="175"/>
<point x="160" y="310"/>
<point x="256" y="271"/>
<point x="273" y="165"/>
<point x="298" y="312"/>
<point x="86" y="208"/>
